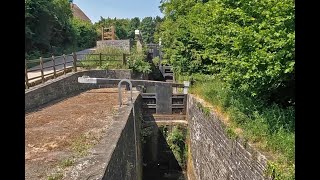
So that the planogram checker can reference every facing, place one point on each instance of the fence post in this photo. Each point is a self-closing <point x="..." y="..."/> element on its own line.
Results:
<point x="64" y="64"/>
<point x="102" y="34"/>
<point x="100" y="59"/>
<point x="41" y="65"/>
<point x="54" y="67"/>
<point x="74" y="62"/>
<point x="124" y="62"/>
<point x="26" y="75"/>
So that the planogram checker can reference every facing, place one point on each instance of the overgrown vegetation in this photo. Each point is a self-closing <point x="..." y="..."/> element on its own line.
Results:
<point x="270" y="128"/>
<point x="176" y="139"/>
<point x="138" y="63"/>
<point x="50" y="28"/>
<point x="111" y="58"/>
<point x="250" y="44"/>
<point x="240" y="56"/>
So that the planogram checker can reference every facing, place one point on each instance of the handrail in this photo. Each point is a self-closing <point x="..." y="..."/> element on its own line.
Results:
<point x="119" y="89"/>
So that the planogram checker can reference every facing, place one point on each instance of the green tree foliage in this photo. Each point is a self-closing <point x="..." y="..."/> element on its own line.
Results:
<point x="121" y="26"/>
<point x="124" y="28"/>
<point x="83" y="33"/>
<point x="250" y="44"/>
<point x="147" y="28"/>
<point x="49" y="26"/>
<point x="133" y="25"/>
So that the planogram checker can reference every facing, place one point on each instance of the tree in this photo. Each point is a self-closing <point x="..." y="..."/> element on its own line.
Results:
<point x="147" y="27"/>
<point x="133" y="25"/>
<point x="249" y="44"/>
<point x="50" y="28"/>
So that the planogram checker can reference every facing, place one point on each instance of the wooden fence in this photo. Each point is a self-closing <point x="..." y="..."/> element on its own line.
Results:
<point x="51" y="63"/>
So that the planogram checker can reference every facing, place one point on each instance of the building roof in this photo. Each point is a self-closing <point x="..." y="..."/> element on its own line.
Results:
<point x="77" y="12"/>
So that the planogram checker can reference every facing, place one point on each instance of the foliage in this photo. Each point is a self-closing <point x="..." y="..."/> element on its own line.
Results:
<point x="133" y="25"/>
<point x="51" y="29"/>
<point x="137" y="61"/>
<point x="121" y="26"/>
<point x="147" y="27"/>
<point x="176" y="140"/>
<point x="111" y="58"/>
<point x="156" y="60"/>
<point x="250" y="44"/>
<point x="124" y="28"/>
<point x="83" y="33"/>
<point x="271" y="127"/>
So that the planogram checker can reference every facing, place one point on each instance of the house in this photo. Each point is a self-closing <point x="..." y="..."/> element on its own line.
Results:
<point x="77" y="12"/>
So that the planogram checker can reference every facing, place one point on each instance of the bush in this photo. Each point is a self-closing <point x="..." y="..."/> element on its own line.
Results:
<point x="112" y="58"/>
<point x="137" y="61"/>
<point x="251" y="44"/>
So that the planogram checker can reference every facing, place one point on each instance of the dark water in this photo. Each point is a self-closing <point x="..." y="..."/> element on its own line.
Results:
<point x="159" y="162"/>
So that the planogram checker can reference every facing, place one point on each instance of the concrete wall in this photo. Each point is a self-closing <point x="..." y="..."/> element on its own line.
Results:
<point x="67" y="85"/>
<point x="114" y="157"/>
<point x="122" y="164"/>
<point x="214" y="154"/>
<point x="122" y="44"/>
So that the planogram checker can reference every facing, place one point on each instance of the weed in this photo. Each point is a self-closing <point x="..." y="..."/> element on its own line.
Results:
<point x="80" y="146"/>
<point x="66" y="163"/>
<point x="55" y="176"/>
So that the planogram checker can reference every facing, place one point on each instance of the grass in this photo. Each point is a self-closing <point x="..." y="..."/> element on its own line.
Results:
<point x="176" y="140"/>
<point x="270" y="128"/>
<point x="81" y="146"/>
<point x="111" y="58"/>
<point x="56" y="176"/>
<point x="66" y="163"/>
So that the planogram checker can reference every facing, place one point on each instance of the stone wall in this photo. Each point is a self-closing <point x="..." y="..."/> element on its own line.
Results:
<point x="122" y="164"/>
<point x="114" y="157"/>
<point x="214" y="154"/>
<point x="122" y="44"/>
<point x="67" y="85"/>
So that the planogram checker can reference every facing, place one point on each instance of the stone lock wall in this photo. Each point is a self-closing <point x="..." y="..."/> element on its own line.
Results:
<point x="114" y="157"/>
<point x="214" y="154"/>
<point x="121" y="44"/>
<point x="122" y="164"/>
<point x="67" y="85"/>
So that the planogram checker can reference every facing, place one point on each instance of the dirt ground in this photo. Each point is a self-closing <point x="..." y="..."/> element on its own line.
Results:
<point x="61" y="132"/>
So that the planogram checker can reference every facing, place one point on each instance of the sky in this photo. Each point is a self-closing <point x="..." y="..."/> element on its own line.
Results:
<point x="119" y="8"/>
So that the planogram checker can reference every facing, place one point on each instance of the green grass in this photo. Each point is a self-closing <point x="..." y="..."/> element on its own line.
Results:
<point x="56" y="176"/>
<point x="176" y="139"/>
<point x="270" y="128"/>
<point x="66" y="163"/>
<point x="81" y="146"/>
<point x="112" y="58"/>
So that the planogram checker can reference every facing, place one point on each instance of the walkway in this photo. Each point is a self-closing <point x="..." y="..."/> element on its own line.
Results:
<point x="64" y="130"/>
<point x="58" y="60"/>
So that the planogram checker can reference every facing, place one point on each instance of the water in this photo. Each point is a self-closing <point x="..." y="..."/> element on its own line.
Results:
<point x="159" y="161"/>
